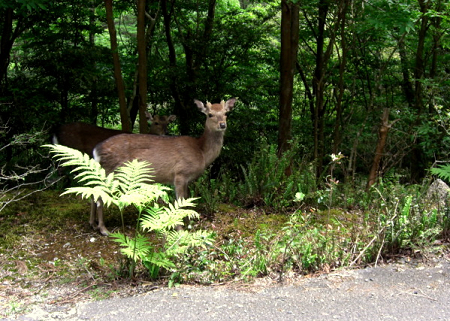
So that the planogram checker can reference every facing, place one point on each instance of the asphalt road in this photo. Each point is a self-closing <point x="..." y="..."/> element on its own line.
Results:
<point x="392" y="292"/>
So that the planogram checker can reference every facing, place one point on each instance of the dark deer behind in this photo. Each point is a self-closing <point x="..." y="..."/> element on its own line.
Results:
<point x="159" y="123"/>
<point x="175" y="160"/>
<point x="84" y="137"/>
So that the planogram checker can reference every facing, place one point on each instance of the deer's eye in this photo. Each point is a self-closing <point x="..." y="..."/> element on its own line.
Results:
<point x="210" y="115"/>
<point x="156" y="123"/>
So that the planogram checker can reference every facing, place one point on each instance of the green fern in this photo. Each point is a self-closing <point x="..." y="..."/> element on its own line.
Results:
<point x="442" y="171"/>
<point x="170" y="216"/>
<point x="133" y="248"/>
<point x="129" y="185"/>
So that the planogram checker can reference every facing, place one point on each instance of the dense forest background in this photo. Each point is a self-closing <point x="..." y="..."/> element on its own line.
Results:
<point x="368" y="80"/>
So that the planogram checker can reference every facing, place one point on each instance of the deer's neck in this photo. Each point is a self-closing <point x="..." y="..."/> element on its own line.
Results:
<point x="211" y="143"/>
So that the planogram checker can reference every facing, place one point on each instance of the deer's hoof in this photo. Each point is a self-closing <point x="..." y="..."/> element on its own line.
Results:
<point x="104" y="231"/>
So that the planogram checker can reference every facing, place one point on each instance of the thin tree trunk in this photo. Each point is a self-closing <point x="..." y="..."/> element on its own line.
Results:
<point x="179" y="105"/>
<point x="384" y="130"/>
<point x="6" y="43"/>
<point x="406" y="84"/>
<point x="93" y="95"/>
<point x="289" y="48"/>
<point x="419" y="69"/>
<point x="142" y="53"/>
<point x="319" y="82"/>
<point x="124" y="117"/>
<point x="340" y="88"/>
<point x="417" y="169"/>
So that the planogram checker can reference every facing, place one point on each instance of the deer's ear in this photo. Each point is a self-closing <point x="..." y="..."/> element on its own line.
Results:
<point x="199" y="103"/>
<point x="230" y="104"/>
<point x="172" y="118"/>
<point x="148" y="116"/>
<point x="200" y="106"/>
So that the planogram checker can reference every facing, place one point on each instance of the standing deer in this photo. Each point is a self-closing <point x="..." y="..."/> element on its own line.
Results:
<point x="175" y="160"/>
<point x="84" y="137"/>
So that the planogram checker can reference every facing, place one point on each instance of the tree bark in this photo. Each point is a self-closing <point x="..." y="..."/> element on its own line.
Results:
<point x="419" y="69"/>
<point x="318" y="85"/>
<point x="124" y="117"/>
<point x="340" y="88"/>
<point x="417" y="168"/>
<point x="384" y="130"/>
<point x="289" y="49"/>
<point x="142" y="71"/>
<point x="11" y="29"/>
<point x="179" y="104"/>
<point x="406" y="83"/>
<point x="6" y="43"/>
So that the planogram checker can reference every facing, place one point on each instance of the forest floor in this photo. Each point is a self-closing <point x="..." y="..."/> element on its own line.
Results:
<point x="51" y="258"/>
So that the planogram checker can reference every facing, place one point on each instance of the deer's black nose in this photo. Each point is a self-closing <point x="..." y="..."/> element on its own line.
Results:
<point x="223" y="125"/>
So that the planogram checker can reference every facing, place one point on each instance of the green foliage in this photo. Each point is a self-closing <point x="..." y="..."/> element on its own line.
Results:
<point x="129" y="185"/>
<point x="162" y="223"/>
<point x="442" y="172"/>
<point x="266" y="181"/>
<point x="212" y="191"/>
<point x="404" y="220"/>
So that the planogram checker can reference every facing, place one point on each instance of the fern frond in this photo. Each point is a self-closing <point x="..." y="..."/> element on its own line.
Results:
<point x="142" y="195"/>
<point x="160" y="220"/>
<point x="170" y="216"/>
<point x="96" y="192"/>
<point x="88" y="170"/>
<point x="134" y="174"/>
<point x="133" y="248"/>
<point x="158" y="259"/>
<point x="442" y="172"/>
<point x="178" y="242"/>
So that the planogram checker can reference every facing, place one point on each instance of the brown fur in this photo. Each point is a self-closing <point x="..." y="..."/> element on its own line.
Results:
<point x="84" y="137"/>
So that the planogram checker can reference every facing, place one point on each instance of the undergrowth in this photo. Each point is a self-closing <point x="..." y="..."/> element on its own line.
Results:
<point x="267" y="225"/>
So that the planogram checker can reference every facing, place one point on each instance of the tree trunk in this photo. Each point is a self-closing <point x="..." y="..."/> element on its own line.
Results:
<point x="179" y="105"/>
<point x="93" y="95"/>
<point x="319" y="88"/>
<point x="340" y="88"/>
<point x="124" y="117"/>
<point x="417" y="165"/>
<point x="142" y="53"/>
<point x="6" y="43"/>
<point x="419" y="69"/>
<point x="289" y="48"/>
<point x="406" y="83"/>
<point x="384" y="130"/>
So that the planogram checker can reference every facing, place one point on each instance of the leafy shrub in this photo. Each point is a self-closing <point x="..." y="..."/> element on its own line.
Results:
<point x="267" y="182"/>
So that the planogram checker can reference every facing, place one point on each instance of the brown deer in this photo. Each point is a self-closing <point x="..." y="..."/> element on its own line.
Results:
<point x="84" y="137"/>
<point x="175" y="160"/>
<point x="159" y="123"/>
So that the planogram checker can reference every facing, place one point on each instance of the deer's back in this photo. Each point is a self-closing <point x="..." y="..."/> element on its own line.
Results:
<point x="82" y="136"/>
<point x="169" y="156"/>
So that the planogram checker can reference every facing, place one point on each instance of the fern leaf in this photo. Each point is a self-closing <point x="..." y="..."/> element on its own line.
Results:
<point x="169" y="217"/>
<point x="442" y="172"/>
<point x="158" y="259"/>
<point x="133" y="248"/>
<point x="178" y="242"/>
